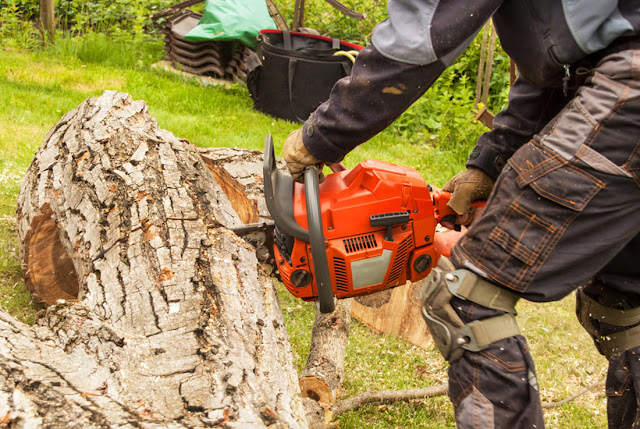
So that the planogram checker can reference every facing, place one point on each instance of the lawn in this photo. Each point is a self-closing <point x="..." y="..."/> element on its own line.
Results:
<point x="37" y="88"/>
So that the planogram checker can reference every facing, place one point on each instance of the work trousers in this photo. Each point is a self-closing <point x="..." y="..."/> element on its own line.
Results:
<point x="564" y="214"/>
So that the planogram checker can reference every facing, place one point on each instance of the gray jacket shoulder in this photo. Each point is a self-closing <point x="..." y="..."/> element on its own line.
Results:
<point x="594" y="24"/>
<point x="542" y="36"/>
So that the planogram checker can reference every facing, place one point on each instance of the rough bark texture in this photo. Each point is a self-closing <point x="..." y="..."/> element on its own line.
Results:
<point x="176" y="324"/>
<point x="322" y="377"/>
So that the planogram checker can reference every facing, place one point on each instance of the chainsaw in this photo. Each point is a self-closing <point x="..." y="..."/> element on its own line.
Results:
<point x="360" y="231"/>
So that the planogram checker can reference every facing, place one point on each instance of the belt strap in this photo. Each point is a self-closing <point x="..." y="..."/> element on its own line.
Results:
<point x="619" y="342"/>
<point x="611" y="316"/>
<point x="466" y="285"/>
<point x="479" y="334"/>
<point x="589" y="310"/>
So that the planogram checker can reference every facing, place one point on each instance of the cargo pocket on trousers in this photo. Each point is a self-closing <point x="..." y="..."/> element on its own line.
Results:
<point x="633" y="164"/>
<point x="544" y="195"/>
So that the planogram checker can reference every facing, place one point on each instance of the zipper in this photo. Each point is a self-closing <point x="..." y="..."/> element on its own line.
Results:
<point x="565" y="80"/>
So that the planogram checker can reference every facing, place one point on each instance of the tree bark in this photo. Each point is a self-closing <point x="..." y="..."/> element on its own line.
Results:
<point x="171" y="321"/>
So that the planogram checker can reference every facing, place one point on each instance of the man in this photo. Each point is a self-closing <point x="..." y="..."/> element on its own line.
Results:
<point x="563" y="162"/>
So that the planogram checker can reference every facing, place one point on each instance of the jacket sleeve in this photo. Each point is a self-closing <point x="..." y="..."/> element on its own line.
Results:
<point x="409" y="52"/>
<point x="530" y="108"/>
<point x="365" y="103"/>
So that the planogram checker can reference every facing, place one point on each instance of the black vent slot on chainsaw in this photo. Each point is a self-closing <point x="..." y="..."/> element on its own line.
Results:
<point x="356" y="244"/>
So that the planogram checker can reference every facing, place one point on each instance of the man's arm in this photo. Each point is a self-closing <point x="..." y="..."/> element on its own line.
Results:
<point x="365" y="103"/>
<point x="410" y="50"/>
<point x="530" y="109"/>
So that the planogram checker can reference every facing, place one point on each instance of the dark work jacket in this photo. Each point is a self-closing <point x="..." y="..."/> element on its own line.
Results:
<point x="547" y="39"/>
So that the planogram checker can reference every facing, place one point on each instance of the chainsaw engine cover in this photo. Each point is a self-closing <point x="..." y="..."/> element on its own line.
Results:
<point x="378" y="223"/>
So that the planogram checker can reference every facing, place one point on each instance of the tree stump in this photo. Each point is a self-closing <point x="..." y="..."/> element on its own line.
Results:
<point x="171" y="321"/>
<point x="397" y="311"/>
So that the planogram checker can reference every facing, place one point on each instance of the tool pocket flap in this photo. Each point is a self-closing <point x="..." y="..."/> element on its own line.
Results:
<point x="554" y="178"/>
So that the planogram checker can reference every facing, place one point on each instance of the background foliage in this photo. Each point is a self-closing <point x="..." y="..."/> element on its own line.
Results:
<point x="105" y="31"/>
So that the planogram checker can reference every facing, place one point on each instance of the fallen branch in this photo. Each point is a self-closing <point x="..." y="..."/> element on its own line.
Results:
<point x="345" y="10"/>
<point x="390" y="396"/>
<point x="387" y="396"/>
<point x="321" y="380"/>
<point x="574" y="396"/>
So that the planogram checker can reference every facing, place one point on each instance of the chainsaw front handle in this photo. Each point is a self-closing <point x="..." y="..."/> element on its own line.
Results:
<point x="317" y="240"/>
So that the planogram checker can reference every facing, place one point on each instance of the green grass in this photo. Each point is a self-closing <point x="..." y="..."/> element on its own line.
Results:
<point x="38" y="87"/>
<point x="566" y="362"/>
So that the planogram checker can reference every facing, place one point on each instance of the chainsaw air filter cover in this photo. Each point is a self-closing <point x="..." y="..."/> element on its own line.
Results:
<point x="375" y="223"/>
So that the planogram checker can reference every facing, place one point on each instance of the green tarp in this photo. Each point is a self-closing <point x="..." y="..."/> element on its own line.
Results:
<point x="239" y="20"/>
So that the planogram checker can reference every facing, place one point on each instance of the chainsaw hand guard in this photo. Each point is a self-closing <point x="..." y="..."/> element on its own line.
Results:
<point x="278" y="192"/>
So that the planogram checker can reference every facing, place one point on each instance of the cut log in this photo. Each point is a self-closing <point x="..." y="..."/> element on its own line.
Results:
<point x="395" y="311"/>
<point x="174" y="322"/>
<point x="49" y="272"/>
<point x="322" y="377"/>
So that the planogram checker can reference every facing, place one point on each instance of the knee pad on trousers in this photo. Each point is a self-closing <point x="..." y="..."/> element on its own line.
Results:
<point x="450" y="334"/>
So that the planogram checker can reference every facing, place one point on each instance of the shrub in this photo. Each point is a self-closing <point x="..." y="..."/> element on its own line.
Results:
<point x="444" y="115"/>
<point x="121" y="33"/>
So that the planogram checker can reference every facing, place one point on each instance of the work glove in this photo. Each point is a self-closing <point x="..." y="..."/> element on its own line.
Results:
<point x="298" y="157"/>
<point x="467" y="186"/>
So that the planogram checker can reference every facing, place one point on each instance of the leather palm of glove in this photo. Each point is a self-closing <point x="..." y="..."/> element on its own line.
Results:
<point x="298" y="157"/>
<point x="466" y="187"/>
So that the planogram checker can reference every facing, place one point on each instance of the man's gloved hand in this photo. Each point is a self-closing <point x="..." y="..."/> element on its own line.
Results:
<point x="298" y="157"/>
<point x="467" y="186"/>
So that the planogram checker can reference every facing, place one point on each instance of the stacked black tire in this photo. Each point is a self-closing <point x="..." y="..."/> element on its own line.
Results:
<point x="222" y="60"/>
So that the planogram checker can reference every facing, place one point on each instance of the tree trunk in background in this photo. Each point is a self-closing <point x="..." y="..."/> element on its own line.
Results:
<point x="176" y="323"/>
<point x="47" y="18"/>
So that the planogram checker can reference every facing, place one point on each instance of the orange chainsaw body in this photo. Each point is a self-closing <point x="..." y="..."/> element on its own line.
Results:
<point x="379" y="224"/>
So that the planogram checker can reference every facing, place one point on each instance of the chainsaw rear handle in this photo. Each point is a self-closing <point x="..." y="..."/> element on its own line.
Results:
<point x="446" y="213"/>
<point x="317" y="240"/>
<point x="337" y="167"/>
